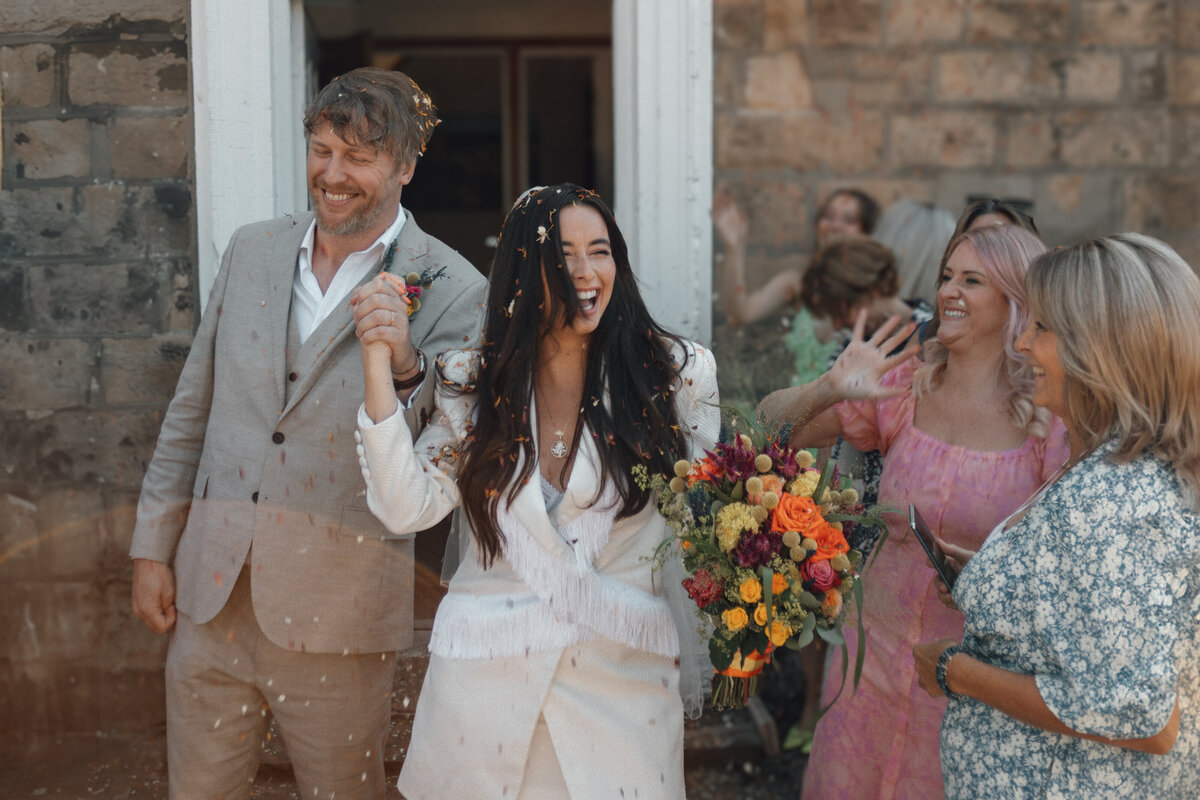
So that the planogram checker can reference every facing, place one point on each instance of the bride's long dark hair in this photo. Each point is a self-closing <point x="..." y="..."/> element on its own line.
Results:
<point x="630" y="375"/>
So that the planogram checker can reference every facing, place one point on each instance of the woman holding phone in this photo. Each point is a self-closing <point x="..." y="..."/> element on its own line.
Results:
<point x="960" y="440"/>
<point x="1078" y="673"/>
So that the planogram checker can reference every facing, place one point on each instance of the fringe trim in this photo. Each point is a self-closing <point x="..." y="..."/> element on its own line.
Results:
<point x="575" y="594"/>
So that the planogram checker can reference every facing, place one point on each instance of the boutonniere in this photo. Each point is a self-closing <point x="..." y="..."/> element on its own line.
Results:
<point x="415" y="283"/>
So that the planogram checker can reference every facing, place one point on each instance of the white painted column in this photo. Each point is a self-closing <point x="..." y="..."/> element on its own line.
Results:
<point x="663" y="99"/>
<point x="247" y="92"/>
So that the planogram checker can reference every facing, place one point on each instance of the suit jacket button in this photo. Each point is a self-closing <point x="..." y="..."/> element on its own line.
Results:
<point x="254" y="497"/>
<point x="277" y="437"/>
<point x="292" y="376"/>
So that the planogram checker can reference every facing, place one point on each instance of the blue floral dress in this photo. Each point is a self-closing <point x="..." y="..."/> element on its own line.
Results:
<point x="1096" y="593"/>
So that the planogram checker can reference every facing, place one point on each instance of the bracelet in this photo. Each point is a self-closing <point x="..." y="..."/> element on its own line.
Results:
<point x="942" y="663"/>
<point x="415" y="380"/>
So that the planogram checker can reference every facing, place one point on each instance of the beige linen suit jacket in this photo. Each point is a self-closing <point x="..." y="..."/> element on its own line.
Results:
<point x="256" y="458"/>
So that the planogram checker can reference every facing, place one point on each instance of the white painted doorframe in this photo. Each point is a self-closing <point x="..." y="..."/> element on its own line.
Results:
<point x="248" y="89"/>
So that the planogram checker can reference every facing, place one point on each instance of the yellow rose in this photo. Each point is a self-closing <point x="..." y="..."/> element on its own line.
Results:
<point x="780" y="632"/>
<point x="760" y="615"/>
<point x="751" y="590"/>
<point x="735" y="618"/>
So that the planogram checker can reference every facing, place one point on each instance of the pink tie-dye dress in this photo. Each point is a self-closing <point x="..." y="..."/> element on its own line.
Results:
<point x="883" y="741"/>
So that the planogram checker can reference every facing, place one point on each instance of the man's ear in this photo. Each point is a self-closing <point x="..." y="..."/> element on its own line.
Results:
<point x="406" y="171"/>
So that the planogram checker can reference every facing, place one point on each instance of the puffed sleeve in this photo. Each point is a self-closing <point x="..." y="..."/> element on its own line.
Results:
<point x="873" y="424"/>
<point x="1107" y="583"/>
<point x="412" y="487"/>
<point x="696" y="401"/>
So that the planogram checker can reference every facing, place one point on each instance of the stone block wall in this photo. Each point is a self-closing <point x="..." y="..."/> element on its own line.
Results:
<point x="97" y="307"/>
<point x="1090" y="108"/>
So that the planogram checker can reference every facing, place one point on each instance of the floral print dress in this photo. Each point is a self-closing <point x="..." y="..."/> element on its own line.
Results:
<point x="1096" y="593"/>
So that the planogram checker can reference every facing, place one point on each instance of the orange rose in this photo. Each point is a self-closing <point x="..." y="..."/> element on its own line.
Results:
<point x="770" y="483"/>
<point x="795" y="514"/>
<point x="830" y="541"/>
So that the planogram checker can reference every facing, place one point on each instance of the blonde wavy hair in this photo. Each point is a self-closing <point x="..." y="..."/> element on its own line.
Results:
<point x="1126" y="311"/>
<point x="1005" y="251"/>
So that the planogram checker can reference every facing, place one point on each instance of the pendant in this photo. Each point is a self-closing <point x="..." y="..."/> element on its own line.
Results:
<point x="559" y="449"/>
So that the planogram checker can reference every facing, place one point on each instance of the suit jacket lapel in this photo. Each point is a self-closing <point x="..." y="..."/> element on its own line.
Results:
<point x="281" y="261"/>
<point x="412" y="255"/>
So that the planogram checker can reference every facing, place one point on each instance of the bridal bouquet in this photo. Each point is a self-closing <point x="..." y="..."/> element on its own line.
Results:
<point x="762" y="530"/>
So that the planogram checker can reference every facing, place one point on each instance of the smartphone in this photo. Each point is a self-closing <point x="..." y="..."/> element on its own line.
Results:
<point x="931" y="547"/>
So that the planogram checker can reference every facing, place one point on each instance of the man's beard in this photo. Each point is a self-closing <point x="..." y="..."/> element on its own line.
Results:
<point x="359" y="221"/>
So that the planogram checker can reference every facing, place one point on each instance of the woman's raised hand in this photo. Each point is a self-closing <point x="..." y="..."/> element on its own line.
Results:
<point x="858" y="372"/>
<point x="729" y="219"/>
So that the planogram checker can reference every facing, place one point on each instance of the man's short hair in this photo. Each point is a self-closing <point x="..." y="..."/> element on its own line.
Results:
<point x="378" y="107"/>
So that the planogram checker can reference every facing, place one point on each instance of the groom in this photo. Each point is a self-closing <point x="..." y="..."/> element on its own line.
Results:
<point x="253" y="538"/>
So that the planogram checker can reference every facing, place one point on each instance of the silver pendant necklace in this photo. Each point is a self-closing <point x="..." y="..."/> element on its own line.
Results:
<point x="558" y="448"/>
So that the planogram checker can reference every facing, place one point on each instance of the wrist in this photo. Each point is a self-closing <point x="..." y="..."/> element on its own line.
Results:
<point x="943" y="667"/>
<point x="413" y="375"/>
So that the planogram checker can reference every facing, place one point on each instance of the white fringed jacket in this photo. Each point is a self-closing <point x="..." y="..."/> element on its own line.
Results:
<point x="563" y="577"/>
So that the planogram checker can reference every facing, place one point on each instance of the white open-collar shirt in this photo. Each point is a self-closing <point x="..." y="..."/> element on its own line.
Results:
<point x="310" y="305"/>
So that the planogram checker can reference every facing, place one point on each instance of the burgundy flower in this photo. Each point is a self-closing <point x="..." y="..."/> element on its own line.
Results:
<point x="819" y="576"/>
<point x="735" y="459"/>
<point x="754" y="550"/>
<point x="702" y="588"/>
<point x="784" y="459"/>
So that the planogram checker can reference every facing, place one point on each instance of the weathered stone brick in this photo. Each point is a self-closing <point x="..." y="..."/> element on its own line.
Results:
<point x="120" y="514"/>
<point x="727" y="79"/>
<point x="889" y="78"/>
<point x="1133" y="22"/>
<point x="737" y="24"/>
<point x="1076" y="205"/>
<point x="44" y="374"/>
<point x="58" y="535"/>
<point x="1187" y="26"/>
<point x="50" y="621"/>
<point x="150" y="147"/>
<point x="1187" y="244"/>
<point x="944" y="139"/>
<point x="109" y="219"/>
<point x="1185" y="80"/>
<point x="984" y="76"/>
<point x="51" y="148"/>
<point x="785" y="24"/>
<point x="850" y="144"/>
<point x="1148" y="76"/>
<point x="27" y="74"/>
<point x="110" y="447"/>
<point x="14" y="301"/>
<point x="847" y="22"/>
<point x="954" y="189"/>
<point x="777" y="82"/>
<point x="56" y="16"/>
<point x="1095" y="138"/>
<point x="100" y="298"/>
<point x="925" y="21"/>
<point x="142" y="370"/>
<point x="1162" y="201"/>
<point x="1082" y="76"/>
<point x="1029" y="140"/>
<point x="1025" y="21"/>
<point x="128" y="74"/>
<point x="778" y="209"/>
<point x="1185" y="138"/>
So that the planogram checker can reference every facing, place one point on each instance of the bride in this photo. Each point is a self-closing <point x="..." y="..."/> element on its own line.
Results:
<point x="554" y="668"/>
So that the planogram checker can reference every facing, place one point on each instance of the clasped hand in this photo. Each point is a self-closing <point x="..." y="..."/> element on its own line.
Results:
<point x="381" y="321"/>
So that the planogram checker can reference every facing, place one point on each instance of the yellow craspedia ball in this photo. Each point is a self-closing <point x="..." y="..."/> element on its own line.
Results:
<point x="805" y="459"/>
<point x="840" y="562"/>
<point x="797" y="553"/>
<point x="683" y="467"/>
<point x="746" y="441"/>
<point x="770" y="500"/>
<point x="412" y="278"/>
<point x="849" y="497"/>
<point x="754" y="485"/>
<point x="762" y="462"/>
<point x="832" y="497"/>
<point x="791" y="539"/>
<point x="678" y="485"/>
<point x="808" y="544"/>
<point x="760" y="514"/>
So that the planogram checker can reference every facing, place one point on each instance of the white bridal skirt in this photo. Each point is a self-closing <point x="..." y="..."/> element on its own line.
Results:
<point x="593" y="720"/>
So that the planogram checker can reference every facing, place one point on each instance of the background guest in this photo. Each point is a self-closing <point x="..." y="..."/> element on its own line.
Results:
<point x="918" y="234"/>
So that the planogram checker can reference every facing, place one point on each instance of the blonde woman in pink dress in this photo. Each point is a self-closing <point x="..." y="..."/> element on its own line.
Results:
<point x="961" y="441"/>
